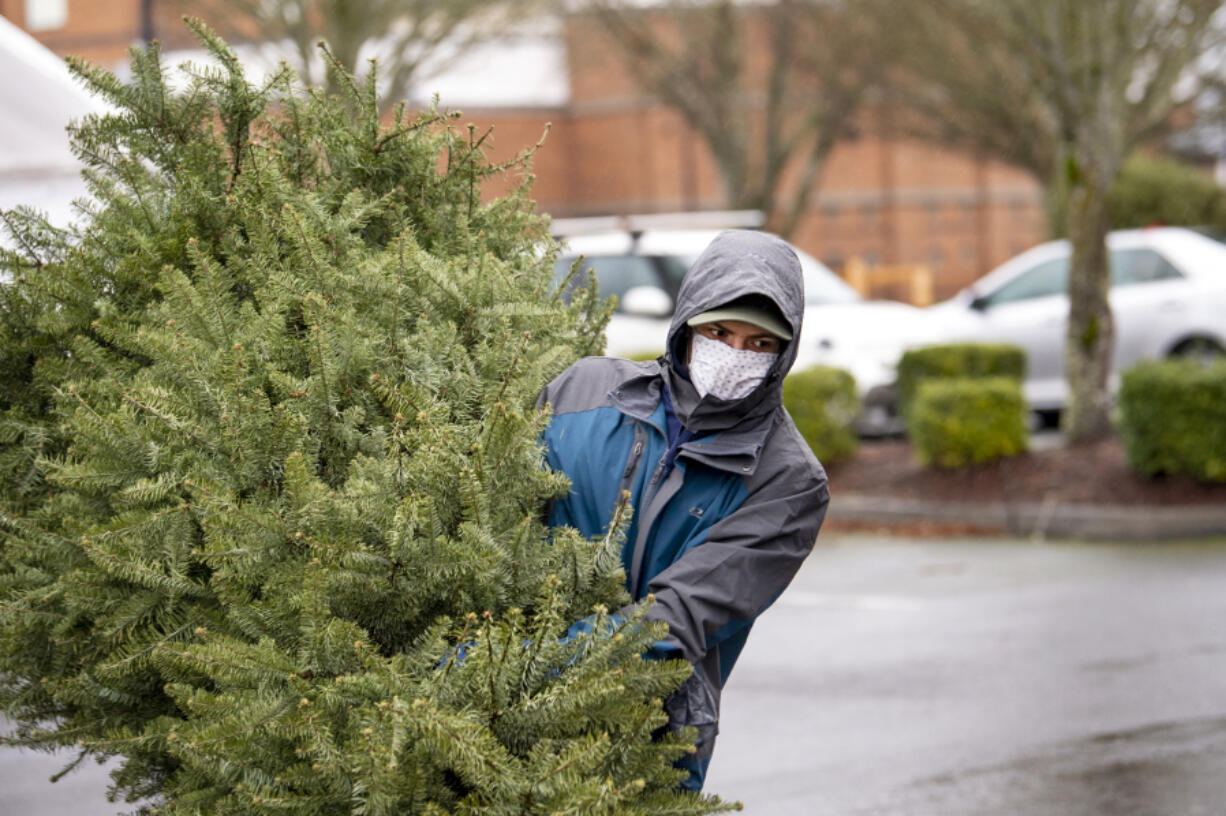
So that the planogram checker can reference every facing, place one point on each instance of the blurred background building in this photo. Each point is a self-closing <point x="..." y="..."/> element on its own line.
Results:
<point x="881" y="198"/>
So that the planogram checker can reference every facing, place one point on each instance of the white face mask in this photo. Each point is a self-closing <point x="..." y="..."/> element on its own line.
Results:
<point x="718" y="369"/>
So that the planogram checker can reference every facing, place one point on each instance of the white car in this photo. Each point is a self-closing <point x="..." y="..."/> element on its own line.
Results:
<point x="1168" y="298"/>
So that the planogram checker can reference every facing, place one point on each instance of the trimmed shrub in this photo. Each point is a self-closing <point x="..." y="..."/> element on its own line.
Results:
<point x="823" y="404"/>
<point x="1160" y="190"/>
<point x="962" y="360"/>
<point x="1173" y="418"/>
<point x="1154" y="190"/>
<point x="958" y="422"/>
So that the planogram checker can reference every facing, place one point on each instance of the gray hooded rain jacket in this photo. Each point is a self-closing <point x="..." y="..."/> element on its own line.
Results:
<point x="722" y="522"/>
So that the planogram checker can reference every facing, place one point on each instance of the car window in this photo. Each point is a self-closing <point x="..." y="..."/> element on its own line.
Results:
<point x="615" y="274"/>
<point x="1129" y="266"/>
<point x="1047" y="278"/>
<point x="673" y="268"/>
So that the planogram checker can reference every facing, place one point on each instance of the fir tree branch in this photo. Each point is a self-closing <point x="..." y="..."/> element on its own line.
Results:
<point x="469" y="619"/>
<point x="488" y="633"/>
<point x="145" y="652"/>
<point x="338" y="71"/>
<point x="203" y="264"/>
<point x="306" y="245"/>
<point x="251" y="773"/>
<point x="394" y="334"/>
<point x="506" y="378"/>
<point x="317" y="332"/>
<point x="598" y="746"/>
<point x="21" y="238"/>
<point x="241" y="659"/>
<point x="173" y="423"/>
<point x="140" y="574"/>
<point x="473" y="147"/>
<point x="620" y="512"/>
<point x="400" y="130"/>
<point x="472" y="180"/>
<point x="25" y="611"/>
<point x="240" y="134"/>
<point x="121" y="170"/>
<point x="107" y="85"/>
<point x="234" y="507"/>
<point x="10" y="518"/>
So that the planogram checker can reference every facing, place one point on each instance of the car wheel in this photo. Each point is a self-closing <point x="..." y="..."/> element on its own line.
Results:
<point x="1201" y="349"/>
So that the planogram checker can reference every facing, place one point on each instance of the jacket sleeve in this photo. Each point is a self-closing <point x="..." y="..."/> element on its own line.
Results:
<point x="747" y="560"/>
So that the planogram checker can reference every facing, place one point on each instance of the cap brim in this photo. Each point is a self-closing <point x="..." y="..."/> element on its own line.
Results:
<point x="754" y="317"/>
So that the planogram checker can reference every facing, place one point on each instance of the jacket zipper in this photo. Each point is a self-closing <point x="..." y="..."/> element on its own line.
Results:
<point x="634" y="459"/>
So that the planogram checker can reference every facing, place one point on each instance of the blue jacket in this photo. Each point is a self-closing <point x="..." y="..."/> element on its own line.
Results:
<point x="717" y="536"/>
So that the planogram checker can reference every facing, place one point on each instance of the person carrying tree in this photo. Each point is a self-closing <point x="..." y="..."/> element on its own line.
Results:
<point x="727" y="496"/>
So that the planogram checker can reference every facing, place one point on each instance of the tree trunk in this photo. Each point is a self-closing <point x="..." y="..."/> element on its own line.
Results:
<point x="1091" y="331"/>
<point x="1056" y="194"/>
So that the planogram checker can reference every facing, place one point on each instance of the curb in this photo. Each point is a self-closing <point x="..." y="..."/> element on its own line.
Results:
<point x="1047" y="519"/>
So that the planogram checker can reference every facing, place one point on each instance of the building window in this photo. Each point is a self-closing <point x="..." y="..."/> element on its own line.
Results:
<point x="44" y="15"/>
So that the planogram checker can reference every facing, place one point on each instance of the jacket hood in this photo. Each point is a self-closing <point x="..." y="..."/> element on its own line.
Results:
<point x="735" y="264"/>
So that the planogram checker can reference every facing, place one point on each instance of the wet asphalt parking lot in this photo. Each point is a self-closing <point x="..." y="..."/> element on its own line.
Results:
<point x="984" y="677"/>
<point x="944" y="678"/>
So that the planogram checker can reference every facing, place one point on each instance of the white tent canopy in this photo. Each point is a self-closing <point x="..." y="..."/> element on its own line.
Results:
<point x="38" y="99"/>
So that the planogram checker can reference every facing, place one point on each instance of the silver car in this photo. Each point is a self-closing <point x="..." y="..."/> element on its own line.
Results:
<point x="1168" y="298"/>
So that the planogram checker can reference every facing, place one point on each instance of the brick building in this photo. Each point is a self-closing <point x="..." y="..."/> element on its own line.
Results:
<point x="613" y="149"/>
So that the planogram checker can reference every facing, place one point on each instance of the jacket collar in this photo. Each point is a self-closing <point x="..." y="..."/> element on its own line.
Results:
<point x="710" y="414"/>
<point x="729" y="441"/>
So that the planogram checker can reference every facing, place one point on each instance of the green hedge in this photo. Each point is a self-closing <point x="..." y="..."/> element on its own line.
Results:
<point x="1173" y="418"/>
<point x="1153" y="190"/>
<point x="1160" y="190"/>
<point x="959" y="422"/>
<point x="824" y="405"/>
<point x="963" y="360"/>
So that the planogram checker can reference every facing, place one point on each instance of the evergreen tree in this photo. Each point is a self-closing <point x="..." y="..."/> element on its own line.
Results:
<point x="271" y="477"/>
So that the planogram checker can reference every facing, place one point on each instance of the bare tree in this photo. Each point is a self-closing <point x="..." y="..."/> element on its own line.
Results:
<point x="768" y="86"/>
<point x="1066" y="89"/>
<point x="407" y="37"/>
